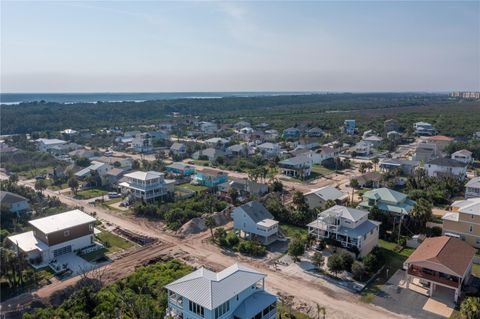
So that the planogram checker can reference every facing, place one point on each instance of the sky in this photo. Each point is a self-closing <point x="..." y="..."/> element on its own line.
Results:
<point x="153" y="46"/>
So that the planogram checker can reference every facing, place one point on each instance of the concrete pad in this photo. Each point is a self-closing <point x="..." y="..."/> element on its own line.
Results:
<point x="438" y="307"/>
<point x="75" y="263"/>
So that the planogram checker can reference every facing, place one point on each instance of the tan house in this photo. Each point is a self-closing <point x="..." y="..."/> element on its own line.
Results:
<point x="463" y="221"/>
<point x="440" y="262"/>
<point x="441" y="141"/>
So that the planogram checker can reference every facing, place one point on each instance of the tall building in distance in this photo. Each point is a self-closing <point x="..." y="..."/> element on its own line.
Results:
<point x="466" y="95"/>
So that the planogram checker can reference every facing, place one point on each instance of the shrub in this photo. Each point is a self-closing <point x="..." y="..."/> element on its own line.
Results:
<point x="347" y="260"/>
<point x="252" y="248"/>
<point x="296" y="247"/>
<point x="470" y="308"/>
<point x="373" y="261"/>
<point x="335" y="263"/>
<point x="232" y="239"/>
<point x="318" y="259"/>
<point x="358" y="271"/>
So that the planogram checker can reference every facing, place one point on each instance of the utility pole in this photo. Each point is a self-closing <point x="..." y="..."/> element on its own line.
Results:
<point x="399" y="229"/>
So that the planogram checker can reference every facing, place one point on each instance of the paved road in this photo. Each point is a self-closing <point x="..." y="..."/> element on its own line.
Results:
<point x="197" y="250"/>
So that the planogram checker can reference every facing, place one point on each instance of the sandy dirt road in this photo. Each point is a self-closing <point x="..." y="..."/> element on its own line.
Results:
<point x="197" y="251"/>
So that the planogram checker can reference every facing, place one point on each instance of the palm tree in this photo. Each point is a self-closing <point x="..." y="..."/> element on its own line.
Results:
<point x="40" y="185"/>
<point x="363" y="168"/>
<point x="210" y="223"/>
<point x="470" y="308"/>
<point x="375" y="161"/>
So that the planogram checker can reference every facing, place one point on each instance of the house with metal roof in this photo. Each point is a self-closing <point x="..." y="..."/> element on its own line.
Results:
<point x="349" y="227"/>
<point x="235" y="292"/>
<point x="463" y="221"/>
<point x="244" y="187"/>
<point x="446" y="167"/>
<point x="440" y="262"/>
<point x="210" y="154"/>
<point x="317" y="198"/>
<point x="464" y="156"/>
<point x="298" y="166"/>
<point x="210" y="177"/>
<point x="55" y="235"/>
<point x="147" y="186"/>
<point x="180" y="169"/>
<point x="388" y="201"/>
<point x="472" y="188"/>
<point x="178" y="149"/>
<point x="291" y="133"/>
<point x="253" y="221"/>
<point x="407" y="167"/>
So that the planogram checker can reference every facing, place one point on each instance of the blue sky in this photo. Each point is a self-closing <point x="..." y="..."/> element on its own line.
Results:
<point x="239" y="46"/>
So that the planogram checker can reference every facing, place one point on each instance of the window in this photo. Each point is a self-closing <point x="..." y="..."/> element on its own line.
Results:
<point x="90" y="226"/>
<point x="66" y="233"/>
<point x="222" y="309"/>
<point x="471" y="228"/>
<point x="196" y="309"/>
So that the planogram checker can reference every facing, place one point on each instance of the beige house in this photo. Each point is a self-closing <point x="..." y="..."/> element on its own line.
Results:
<point x="463" y="221"/>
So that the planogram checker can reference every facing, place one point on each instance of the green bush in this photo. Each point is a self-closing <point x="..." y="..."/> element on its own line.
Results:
<point x="232" y="239"/>
<point x="358" y="271"/>
<point x="252" y="248"/>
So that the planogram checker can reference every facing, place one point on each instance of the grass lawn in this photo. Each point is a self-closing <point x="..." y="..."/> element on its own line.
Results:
<point x="394" y="261"/>
<point x="94" y="255"/>
<point x="34" y="172"/>
<point x="321" y="170"/>
<point x="91" y="193"/>
<point x="58" y="187"/>
<point x="201" y="162"/>
<point x="112" y="242"/>
<point x="293" y="231"/>
<point x="476" y="270"/>
<point x="195" y="188"/>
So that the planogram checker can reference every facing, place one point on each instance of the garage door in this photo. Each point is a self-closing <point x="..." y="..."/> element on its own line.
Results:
<point x="62" y="251"/>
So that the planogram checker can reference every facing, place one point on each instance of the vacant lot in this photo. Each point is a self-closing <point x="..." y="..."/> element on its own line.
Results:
<point x="195" y="188"/>
<point x="113" y="243"/>
<point x="91" y="193"/>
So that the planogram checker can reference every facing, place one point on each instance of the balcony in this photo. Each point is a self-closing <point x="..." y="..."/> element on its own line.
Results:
<point x="420" y="273"/>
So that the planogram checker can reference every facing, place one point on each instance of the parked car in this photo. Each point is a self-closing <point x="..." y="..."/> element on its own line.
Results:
<point x="114" y="195"/>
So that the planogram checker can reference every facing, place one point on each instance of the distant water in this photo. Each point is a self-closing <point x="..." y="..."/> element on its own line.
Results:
<point x="69" y="98"/>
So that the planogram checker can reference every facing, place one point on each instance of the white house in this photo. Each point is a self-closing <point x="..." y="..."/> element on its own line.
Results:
<point x="46" y="144"/>
<point x="446" y="167"/>
<point x="179" y="149"/>
<point x="349" y="227"/>
<point x="55" y="235"/>
<point x="252" y="220"/>
<point x="210" y="153"/>
<point x="236" y="292"/>
<point x="142" y="144"/>
<point x="472" y="188"/>
<point x="147" y="186"/>
<point x="14" y="203"/>
<point x="362" y="148"/>
<point x="269" y="149"/>
<point x="464" y="156"/>
<point x="96" y="168"/>
<point x="424" y="128"/>
<point x="216" y="142"/>
<point x="121" y="162"/>
<point x="426" y="152"/>
<point x="319" y="197"/>
<point x="373" y="140"/>
<point x="208" y="127"/>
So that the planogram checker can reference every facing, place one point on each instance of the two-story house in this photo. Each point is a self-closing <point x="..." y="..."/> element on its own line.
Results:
<point x="472" y="188"/>
<point x="291" y="133"/>
<point x="47" y="144"/>
<point x="315" y="132"/>
<point x="98" y="169"/>
<point x="388" y="201"/>
<point x="208" y="127"/>
<point x="253" y="221"/>
<point x="217" y="142"/>
<point x="244" y="187"/>
<point x="269" y="149"/>
<point x="349" y="126"/>
<point x="446" y="167"/>
<point x="142" y="143"/>
<point x="210" y="177"/>
<point x="298" y="166"/>
<point x="464" y="156"/>
<point x="147" y="186"/>
<point x="119" y="162"/>
<point x="55" y="235"/>
<point x="210" y="154"/>
<point x="440" y="140"/>
<point x="440" y="261"/>
<point x="317" y="198"/>
<point x="178" y="149"/>
<point x="14" y="203"/>
<point x="463" y="221"/>
<point x="424" y="129"/>
<point x="425" y="152"/>
<point x="350" y="227"/>
<point x="237" y="292"/>
<point x="405" y="166"/>
<point x="180" y="169"/>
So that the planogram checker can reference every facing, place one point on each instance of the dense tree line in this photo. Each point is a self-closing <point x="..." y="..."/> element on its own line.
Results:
<point x="140" y="295"/>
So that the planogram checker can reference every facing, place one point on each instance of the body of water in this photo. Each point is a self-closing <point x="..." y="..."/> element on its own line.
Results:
<point x="69" y="98"/>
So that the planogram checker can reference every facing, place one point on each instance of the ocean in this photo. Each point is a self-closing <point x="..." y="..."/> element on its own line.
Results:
<point x="70" y="98"/>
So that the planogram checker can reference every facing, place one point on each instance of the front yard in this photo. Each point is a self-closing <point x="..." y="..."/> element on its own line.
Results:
<point x="293" y="231"/>
<point x="393" y="261"/>
<point x="91" y="193"/>
<point x="195" y="188"/>
<point x="321" y="170"/>
<point x="112" y="242"/>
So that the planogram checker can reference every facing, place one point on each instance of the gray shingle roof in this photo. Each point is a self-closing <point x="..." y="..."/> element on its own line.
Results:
<point x="210" y="289"/>
<point x="10" y="198"/>
<point x="443" y="161"/>
<point x="256" y="211"/>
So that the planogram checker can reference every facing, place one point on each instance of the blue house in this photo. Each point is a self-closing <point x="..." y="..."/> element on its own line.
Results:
<point x="180" y="169"/>
<point x="349" y="126"/>
<point x="210" y="177"/>
<point x="291" y="132"/>
<point x="235" y="292"/>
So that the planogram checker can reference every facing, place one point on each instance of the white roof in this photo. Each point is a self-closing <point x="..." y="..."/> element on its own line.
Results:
<point x="328" y="192"/>
<point x="27" y="242"/>
<point x="144" y="175"/>
<point x="451" y="216"/>
<point x="267" y="222"/>
<point x="50" y="141"/>
<point x="468" y="206"/>
<point x="474" y="182"/>
<point x="61" y="221"/>
<point x="210" y="289"/>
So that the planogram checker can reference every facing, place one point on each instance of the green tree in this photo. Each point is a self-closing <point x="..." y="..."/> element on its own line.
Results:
<point x="354" y="183"/>
<point x="375" y="162"/>
<point x="299" y="201"/>
<point x="73" y="184"/>
<point x="233" y="194"/>
<point x="335" y="263"/>
<point x="13" y="179"/>
<point x="421" y="214"/>
<point x="362" y="168"/>
<point x="210" y="223"/>
<point x="277" y="186"/>
<point x="470" y="308"/>
<point x="358" y="270"/>
<point x="318" y="259"/>
<point x="296" y="247"/>
<point x="347" y="260"/>
<point x="330" y="203"/>
<point x="40" y="185"/>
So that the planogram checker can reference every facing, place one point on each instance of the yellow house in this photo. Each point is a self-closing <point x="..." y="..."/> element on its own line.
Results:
<point x="463" y="221"/>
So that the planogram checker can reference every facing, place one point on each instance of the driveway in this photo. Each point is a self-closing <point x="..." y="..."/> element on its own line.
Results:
<point x="394" y="297"/>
